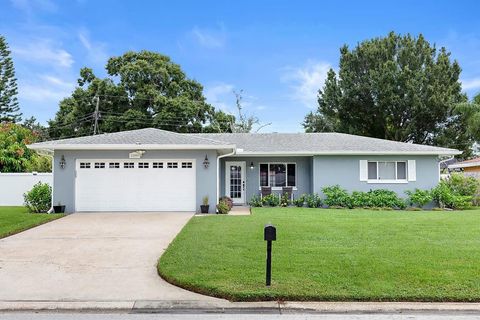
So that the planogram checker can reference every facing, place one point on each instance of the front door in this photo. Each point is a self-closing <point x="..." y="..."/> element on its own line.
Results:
<point x="235" y="181"/>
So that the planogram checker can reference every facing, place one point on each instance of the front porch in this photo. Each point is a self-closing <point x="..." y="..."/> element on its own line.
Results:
<point x="241" y="178"/>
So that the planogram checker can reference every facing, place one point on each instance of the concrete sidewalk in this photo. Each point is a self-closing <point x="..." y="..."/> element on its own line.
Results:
<point x="222" y="306"/>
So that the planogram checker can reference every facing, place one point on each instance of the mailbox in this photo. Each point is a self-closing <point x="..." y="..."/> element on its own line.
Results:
<point x="270" y="233"/>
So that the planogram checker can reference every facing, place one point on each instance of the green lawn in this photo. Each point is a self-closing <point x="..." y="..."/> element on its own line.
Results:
<point x="333" y="254"/>
<point x="18" y="219"/>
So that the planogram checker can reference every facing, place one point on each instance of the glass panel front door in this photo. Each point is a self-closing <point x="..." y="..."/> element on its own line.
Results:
<point x="235" y="181"/>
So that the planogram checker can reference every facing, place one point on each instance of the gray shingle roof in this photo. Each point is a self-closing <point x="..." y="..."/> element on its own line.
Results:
<point x="318" y="142"/>
<point x="262" y="143"/>
<point x="147" y="136"/>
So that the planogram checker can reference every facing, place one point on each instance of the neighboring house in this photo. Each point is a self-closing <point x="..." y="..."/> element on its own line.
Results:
<point x="157" y="170"/>
<point x="469" y="167"/>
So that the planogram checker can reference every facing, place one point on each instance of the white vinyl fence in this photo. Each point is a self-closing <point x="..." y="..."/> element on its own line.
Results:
<point x="14" y="185"/>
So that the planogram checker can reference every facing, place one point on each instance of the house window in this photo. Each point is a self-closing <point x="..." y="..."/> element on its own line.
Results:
<point x="157" y="165"/>
<point x="99" y="165"/>
<point x="143" y="165"/>
<point x="186" y="165"/>
<point x="128" y="165"/>
<point x="84" y="165"/>
<point x="277" y="175"/>
<point x="387" y="170"/>
<point x="114" y="165"/>
<point x="172" y="165"/>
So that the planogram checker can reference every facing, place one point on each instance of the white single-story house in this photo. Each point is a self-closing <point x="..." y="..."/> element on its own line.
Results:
<point x="156" y="170"/>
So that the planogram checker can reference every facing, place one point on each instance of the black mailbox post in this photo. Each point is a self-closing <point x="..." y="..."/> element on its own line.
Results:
<point x="269" y="235"/>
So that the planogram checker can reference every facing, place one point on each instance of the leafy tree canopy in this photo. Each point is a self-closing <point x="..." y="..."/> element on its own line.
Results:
<point x="14" y="155"/>
<point x="468" y="118"/>
<point x="9" y="109"/>
<point x="142" y="89"/>
<point x="397" y="88"/>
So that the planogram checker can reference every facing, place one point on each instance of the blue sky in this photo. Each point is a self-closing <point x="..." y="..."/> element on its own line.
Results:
<point x="278" y="52"/>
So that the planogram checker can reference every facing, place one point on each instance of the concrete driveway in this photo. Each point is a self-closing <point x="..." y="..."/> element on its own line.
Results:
<point x="92" y="257"/>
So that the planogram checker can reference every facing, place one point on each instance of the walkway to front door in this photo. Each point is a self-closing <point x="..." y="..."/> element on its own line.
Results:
<point x="235" y="181"/>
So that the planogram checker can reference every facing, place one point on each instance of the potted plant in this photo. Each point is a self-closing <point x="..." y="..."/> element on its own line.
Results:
<point x="59" y="208"/>
<point x="204" y="207"/>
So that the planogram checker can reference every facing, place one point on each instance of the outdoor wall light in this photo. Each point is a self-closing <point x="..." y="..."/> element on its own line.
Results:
<point x="206" y="163"/>
<point x="62" y="162"/>
<point x="252" y="166"/>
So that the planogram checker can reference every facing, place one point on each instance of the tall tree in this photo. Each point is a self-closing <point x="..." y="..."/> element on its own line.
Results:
<point x="398" y="88"/>
<point x="468" y="118"/>
<point x="142" y="89"/>
<point x="40" y="131"/>
<point x="9" y="108"/>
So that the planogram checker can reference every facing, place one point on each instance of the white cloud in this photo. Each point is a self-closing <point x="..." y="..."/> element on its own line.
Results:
<point x="305" y="81"/>
<point x="217" y="90"/>
<point x="220" y="95"/>
<point x="96" y="51"/>
<point x="471" y="84"/>
<point x="45" y="88"/>
<point x="210" y="38"/>
<point x="44" y="51"/>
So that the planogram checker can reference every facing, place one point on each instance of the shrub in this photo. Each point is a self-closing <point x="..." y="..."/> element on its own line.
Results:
<point x="271" y="200"/>
<point x="228" y="200"/>
<point x="448" y="198"/>
<point x="313" y="200"/>
<point x="386" y="198"/>
<point x="336" y="196"/>
<point x="380" y="198"/>
<point x="39" y="199"/>
<point x="463" y="185"/>
<point x="256" y="201"/>
<point x="442" y="194"/>
<point x="300" y="201"/>
<point x="223" y="207"/>
<point x="360" y="199"/>
<point x="419" y="197"/>
<point x="285" y="200"/>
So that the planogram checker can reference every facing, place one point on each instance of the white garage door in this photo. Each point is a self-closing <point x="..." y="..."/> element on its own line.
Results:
<point x="135" y="185"/>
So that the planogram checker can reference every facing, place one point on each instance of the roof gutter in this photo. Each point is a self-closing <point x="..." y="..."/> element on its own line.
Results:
<point x="342" y="153"/>
<point x="127" y="147"/>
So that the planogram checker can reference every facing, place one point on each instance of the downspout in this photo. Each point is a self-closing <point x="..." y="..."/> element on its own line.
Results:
<point x="218" y="171"/>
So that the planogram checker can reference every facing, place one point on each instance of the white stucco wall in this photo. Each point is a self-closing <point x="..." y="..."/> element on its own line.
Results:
<point x="14" y="185"/>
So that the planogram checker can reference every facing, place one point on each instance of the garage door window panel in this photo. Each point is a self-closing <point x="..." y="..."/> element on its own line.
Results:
<point x="186" y="165"/>
<point x="157" y="165"/>
<point x="85" y="165"/>
<point x="99" y="165"/>
<point x="114" y="165"/>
